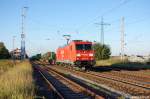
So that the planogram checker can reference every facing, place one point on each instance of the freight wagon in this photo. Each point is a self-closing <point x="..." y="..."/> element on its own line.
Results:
<point x="49" y="57"/>
<point x="78" y="53"/>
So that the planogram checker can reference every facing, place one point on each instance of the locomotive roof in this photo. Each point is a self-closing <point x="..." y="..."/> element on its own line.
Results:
<point x="76" y="42"/>
<point x="81" y="41"/>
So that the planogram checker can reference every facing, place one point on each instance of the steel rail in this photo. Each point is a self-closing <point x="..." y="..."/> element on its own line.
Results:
<point x="51" y="86"/>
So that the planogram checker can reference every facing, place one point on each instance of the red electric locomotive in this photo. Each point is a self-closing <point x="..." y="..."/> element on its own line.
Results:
<point x="77" y="52"/>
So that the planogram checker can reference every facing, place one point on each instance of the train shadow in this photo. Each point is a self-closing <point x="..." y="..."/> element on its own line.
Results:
<point x="121" y="66"/>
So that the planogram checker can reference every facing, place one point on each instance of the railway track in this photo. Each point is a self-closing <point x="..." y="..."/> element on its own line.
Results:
<point x="129" y="86"/>
<point x="121" y="77"/>
<point x="139" y="74"/>
<point x="65" y="88"/>
<point x="140" y="77"/>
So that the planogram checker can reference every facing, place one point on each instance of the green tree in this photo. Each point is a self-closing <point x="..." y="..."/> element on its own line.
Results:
<point x="4" y="53"/>
<point x="36" y="57"/>
<point x="101" y="51"/>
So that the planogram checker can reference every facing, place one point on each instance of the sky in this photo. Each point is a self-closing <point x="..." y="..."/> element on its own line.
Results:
<point x="48" y="20"/>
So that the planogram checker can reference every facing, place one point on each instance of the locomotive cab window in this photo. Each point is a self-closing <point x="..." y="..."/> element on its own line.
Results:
<point x="88" y="47"/>
<point x="79" y="46"/>
<point x="83" y="47"/>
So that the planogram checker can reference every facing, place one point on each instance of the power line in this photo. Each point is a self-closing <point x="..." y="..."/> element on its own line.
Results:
<point x="116" y="7"/>
<point x="137" y="21"/>
<point x="106" y="12"/>
<point x="131" y="22"/>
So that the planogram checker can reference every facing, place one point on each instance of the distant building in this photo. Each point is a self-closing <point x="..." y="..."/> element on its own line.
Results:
<point x="16" y="53"/>
<point x="140" y="59"/>
<point x="147" y="58"/>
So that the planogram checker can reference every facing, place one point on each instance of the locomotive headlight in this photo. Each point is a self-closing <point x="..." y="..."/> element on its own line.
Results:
<point x="78" y="54"/>
<point x="90" y="54"/>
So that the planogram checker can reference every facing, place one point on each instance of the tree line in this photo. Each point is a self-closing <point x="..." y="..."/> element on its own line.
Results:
<point x="4" y="53"/>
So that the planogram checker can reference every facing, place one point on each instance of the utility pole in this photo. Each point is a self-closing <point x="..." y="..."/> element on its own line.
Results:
<point x="102" y="24"/>
<point x="67" y="37"/>
<point x="14" y="43"/>
<point x="23" y="51"/>
<point x="122" y="39"/>
<point x="13" y="50"/>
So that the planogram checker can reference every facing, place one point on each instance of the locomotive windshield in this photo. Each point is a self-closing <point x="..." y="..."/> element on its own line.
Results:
<point x="83" y="47"/>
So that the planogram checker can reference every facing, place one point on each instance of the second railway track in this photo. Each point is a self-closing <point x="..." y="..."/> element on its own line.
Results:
<point x="129" y="86"/>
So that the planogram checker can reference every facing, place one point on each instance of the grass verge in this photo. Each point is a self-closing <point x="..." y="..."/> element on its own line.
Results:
<point x="115" y="62"/>
<point x="5" y="65"/>
<point x="17" y="82"/>
<point x="108" y="62"/>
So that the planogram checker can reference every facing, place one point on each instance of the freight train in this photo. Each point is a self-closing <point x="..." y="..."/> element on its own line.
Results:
<point x="77" y="53"/>
<point x="49" y="57"/>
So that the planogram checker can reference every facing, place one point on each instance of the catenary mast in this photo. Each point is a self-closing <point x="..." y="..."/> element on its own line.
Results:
<point x="23" y="51"/>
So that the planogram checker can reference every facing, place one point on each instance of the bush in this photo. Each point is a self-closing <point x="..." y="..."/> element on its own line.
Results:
<point x="36" y="57"/>
<point x="101" y="51"/>
<point x="148" y="62"/>
<point x="4" y="54"/>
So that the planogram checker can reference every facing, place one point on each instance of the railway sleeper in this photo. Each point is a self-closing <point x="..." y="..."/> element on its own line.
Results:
<point x="129" y="89"/>
<point x="65" y="90"/>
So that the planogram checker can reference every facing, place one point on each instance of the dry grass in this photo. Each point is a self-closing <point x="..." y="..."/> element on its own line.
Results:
<point x="108" y="62"/>
<point x="5" y="65"/>
<point x="17" y="82"/>
<point x="115" y="62"/>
